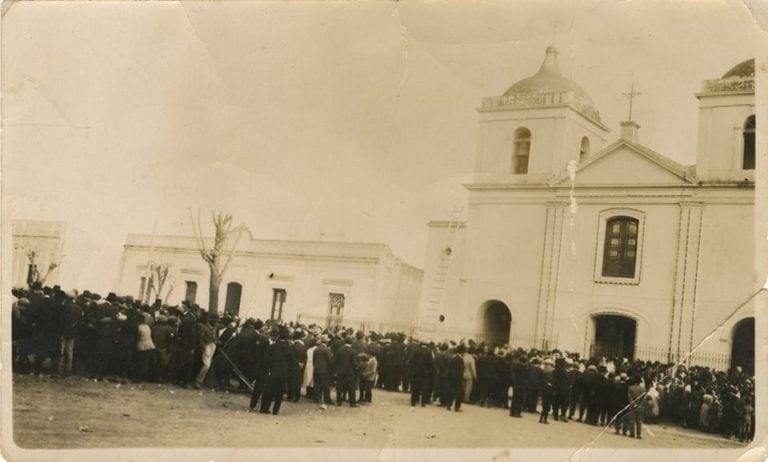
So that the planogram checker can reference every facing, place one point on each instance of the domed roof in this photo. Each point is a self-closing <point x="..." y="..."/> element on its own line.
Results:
<point x="743" y="69"/>
<point x="548" y="80"/>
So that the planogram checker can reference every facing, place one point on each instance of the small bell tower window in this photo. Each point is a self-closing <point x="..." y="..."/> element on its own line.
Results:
<point x="522" y="151"/>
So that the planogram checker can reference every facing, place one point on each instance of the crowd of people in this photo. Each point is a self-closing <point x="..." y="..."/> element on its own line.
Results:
<point x="119" y="339"/>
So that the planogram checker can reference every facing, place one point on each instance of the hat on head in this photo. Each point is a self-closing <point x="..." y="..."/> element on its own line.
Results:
<point x="283" y="332"/>
<point x="592" y="367"/>
<point x="71" y="294"/>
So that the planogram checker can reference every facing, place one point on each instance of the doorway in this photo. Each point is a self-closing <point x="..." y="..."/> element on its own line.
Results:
<point x="743" y="346"/>
<point x="615" y="336"/>
<point x="497" y="320"/>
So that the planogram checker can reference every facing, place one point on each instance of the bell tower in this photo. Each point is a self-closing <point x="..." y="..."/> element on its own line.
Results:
<point x="528" y="134"/>
<point x="726" y="144"/>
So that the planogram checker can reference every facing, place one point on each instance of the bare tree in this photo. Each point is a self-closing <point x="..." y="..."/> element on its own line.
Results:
<point x="218" y="257"/>
<point x="157" y="282"/>
<point x="33" y="274"/>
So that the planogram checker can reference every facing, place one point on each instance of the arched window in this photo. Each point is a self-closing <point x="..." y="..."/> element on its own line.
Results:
<point x="620" y="251"/>
<point x="584" y="150"/>
<point x="522" y="151"/>
<point x="748" y="160"/>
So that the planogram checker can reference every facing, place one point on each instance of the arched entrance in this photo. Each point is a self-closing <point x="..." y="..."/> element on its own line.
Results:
<point x="615" y="336"/>
<point x="743" y="345"/>
<point x="497" y="320"/>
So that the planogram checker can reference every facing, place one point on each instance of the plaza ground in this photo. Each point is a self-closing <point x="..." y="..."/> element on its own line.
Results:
<point x="76" y="413"/>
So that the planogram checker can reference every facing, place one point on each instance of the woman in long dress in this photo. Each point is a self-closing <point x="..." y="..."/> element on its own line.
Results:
<point x="309" y="369"/>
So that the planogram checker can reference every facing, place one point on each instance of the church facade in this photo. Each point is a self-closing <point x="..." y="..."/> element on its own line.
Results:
<point x="594" y="243"/>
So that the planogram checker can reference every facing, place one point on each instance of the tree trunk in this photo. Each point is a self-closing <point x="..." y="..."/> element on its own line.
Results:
<point x="213" y="294"/>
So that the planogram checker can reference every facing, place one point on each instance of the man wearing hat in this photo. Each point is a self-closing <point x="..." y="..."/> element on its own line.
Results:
<point x="636" y="394"/>
<point x="533" y="387"/>
<point x="454" y="379"/>
<point x="619" y="404"/>
<point x="163" y="336"/>
<point x="561" y="390"/>
<point x="346" y="370"/>
<point x="546" y="389"/>
<point x="206" y="343"/>
<point x="182" y="363"/>
<point x="299" y="351"/>
<point x="278" y="364"/>
<point x="71" y="316"/>
<point x="422" y="370"/>
<point x="322" y="363"/>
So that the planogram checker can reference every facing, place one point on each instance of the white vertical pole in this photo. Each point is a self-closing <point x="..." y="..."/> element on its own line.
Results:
<point x="148" y="273"/>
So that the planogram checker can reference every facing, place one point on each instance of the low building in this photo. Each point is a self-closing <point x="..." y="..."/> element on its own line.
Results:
<point x="359" y="285"/>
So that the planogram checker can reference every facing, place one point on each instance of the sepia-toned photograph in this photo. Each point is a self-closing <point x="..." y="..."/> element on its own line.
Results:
<point x="392" y="230"/>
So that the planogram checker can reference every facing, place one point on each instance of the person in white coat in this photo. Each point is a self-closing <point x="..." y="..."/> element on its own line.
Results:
<point x="470" y="373"/>
<point x="309" y="369"/>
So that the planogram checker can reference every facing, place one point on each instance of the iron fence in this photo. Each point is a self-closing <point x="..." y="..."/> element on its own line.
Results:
<point x="717" y="361"/>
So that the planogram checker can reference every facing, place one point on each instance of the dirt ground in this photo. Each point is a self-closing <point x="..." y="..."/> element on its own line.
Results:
<point x="76" y="413"/>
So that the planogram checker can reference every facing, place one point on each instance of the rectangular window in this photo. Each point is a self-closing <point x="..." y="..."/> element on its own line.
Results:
<point x="190" y="294"/>
<point x="278" y="300"/>
<point x="335" y="309"/>
<point x="142" y="288"/>
<point x="620" y="252"/>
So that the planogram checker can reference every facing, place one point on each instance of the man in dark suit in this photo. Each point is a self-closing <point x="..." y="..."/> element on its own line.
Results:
<point x="346" y="370"/>
<point x="299" y="351"/>
<point x="519" y="385"/>
<point x="561" y="390"/>
<point x="533" y="387"/>
<point x="575" y="383"/>
<point x="397" y="358"/>
<point x="278" y="363"/>
<point x="70" y="319"/>
<point x="590" y="387"/>
<point x="322" y="361"/>
<point x="442" y="358"/>
<point x="422" y="370"/>
<point x="258" y="345"/>
<point x="187" y="344"/>
<point x="454" y="379"/>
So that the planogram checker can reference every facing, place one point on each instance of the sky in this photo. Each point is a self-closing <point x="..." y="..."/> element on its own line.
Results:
<point x="350" y="121"/>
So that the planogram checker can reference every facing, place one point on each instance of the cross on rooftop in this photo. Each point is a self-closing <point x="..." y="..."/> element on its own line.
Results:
<point x="632" y="93"/>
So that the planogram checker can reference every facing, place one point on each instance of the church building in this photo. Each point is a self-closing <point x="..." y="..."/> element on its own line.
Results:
<point x="579" y="239"/>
